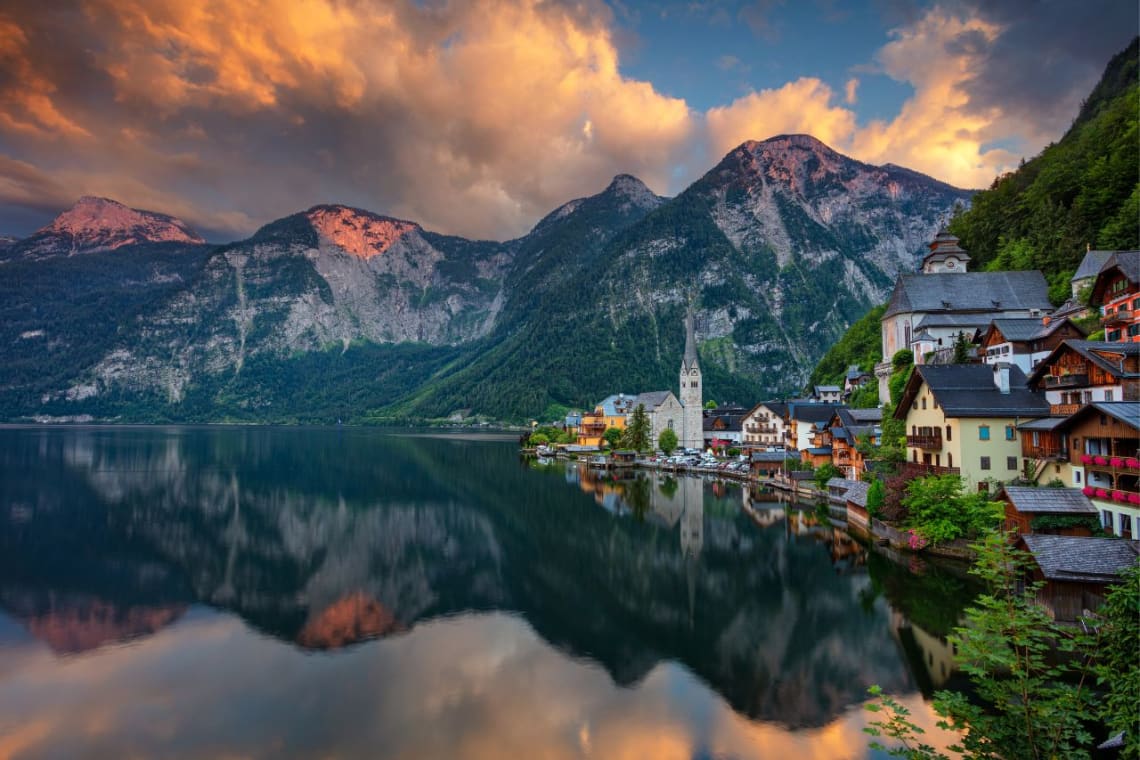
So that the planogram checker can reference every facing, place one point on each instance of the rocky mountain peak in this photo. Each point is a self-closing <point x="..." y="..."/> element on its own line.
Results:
<point x="101" y="224"/>
<point x="632" y="189"/>
<point x="358" y="232"/>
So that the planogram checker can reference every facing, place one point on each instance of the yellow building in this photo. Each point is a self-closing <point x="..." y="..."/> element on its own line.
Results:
<point x="963" y="418"/>
<point x="612" y="412"/>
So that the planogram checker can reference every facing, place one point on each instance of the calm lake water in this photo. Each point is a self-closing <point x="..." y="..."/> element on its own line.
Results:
<point x="292" y="592"/>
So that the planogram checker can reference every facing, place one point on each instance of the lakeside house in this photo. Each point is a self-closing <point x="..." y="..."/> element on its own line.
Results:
<point x="848" y="427"/>
<point x="1102" y="441"/>
<point x="1024" y="342"/>
<point x="612" y="412"/>
<point x="804" y="420"/>
<point x="724" y="430"/>
<point x="962" y="419"/>
<point x="927" y="310"/>
<point x="1076" y="571"/>
<point x="1078" y="372"/>
<point x="765" y="426"/>
<point x="1116" y="292"/>
<point x="827" y="394"/>
<point x="767" y="464"/>
<point x="855" y="499"/>
<point x="854" y="379"/>
<point x="1055" y="511"/>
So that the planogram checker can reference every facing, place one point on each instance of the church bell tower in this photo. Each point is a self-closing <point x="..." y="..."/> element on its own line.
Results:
<point x="692" y="392"/>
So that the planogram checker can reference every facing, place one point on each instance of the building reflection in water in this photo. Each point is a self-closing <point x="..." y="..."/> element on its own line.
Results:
<point x="709" y="628"/>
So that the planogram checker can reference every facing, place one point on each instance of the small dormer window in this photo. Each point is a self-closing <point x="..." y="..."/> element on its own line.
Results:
<point x="951" y="263"/>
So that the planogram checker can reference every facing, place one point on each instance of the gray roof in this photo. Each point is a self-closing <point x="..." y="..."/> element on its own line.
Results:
<point x="652" y="399"/>
<point x="1021" y="330"/>
<point x="968" y="390"/>
<point x="953" y="320"/>
<point x="1049" y="500"/>
<point x="819" y="450"/>
<point x="1127" y="412"/>
<point x="1128" y="262"/>
<point x="1091" y="264"/>
<point x="769" y="456"/>
<point x="827" y="389"/>
<point x="808" y="412"/>
<point x="1046" y="423"/>
<point x="857" y="493"/>
<point x="969" y="291"/>
<point x="1073" y="558"/>
<point x="854" y="373"/>
<point x="863" y="415"/>
<point x="840" y="483"/>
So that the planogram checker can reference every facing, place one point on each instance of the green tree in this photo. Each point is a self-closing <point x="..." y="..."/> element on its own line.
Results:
<point x="826" y="472"/>
<point x="1116" y="668"/>
<point x="637" y="431"/>
<point x="940" y="511"/>
<point x="876" y="498"/>
<point x="710" y="404"/>
<point x="539" y="439"/>
<point x="961" y="348"/>
<point x="613" y="437"/>
<point x="667" y="441"/>
<point x="1028" y="674"/>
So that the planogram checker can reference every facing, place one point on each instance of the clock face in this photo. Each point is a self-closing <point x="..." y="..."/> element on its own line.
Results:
<point x="951" y="263"/>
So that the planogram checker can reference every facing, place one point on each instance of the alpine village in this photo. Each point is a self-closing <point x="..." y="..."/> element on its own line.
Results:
<point x="940" y="373"/>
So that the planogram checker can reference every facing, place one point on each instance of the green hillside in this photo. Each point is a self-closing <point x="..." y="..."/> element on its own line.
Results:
<point x="1081" y="191"/>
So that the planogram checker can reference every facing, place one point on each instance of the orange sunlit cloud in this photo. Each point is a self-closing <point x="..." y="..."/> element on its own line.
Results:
<point x="474" y="118"/>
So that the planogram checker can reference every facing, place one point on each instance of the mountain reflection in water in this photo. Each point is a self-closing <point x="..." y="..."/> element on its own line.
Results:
<point x="585" y="611"/>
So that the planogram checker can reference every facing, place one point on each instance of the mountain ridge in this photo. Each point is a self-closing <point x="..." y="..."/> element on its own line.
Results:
<point x="783" y="243"/>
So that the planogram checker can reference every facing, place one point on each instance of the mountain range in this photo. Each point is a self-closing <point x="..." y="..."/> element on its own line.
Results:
<point x="340" y="313"/>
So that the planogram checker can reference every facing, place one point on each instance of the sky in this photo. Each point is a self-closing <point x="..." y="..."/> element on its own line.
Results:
<point x="478" y="118"/>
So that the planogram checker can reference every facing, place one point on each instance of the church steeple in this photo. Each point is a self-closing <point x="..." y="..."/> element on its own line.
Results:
<point x="692" y="391"/>
<point x="690" y="359"/>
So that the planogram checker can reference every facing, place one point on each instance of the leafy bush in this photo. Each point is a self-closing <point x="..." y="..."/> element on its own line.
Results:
<point x="939" y="511"/>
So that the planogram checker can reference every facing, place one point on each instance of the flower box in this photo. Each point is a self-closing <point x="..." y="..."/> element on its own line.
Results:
<point x="1132" y="464"/>
<point x="1100" y="460"/>
<point x="1134" y="498"/>
<point x="1119" y="496"/>
<point x="1101" y="493"/>
<point x="1086" y="459"/>
<point x="1088" y="490"/>
<point x="1116" y="462"/>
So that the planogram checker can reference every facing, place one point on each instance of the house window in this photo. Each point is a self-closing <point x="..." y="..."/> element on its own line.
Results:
<point x="1010" y="433"/>
<point x="924" y="402"/>
<point x="914" y="455"/>
<point x="1108" y="395"/>
<point x="1106" y="519"/>
<point x="948" y="436"/>
<point x="1011" y="463"/>
<point x="1125" y="524"/>
<point x="985" y="463"/>
<point x="1077" y="477"/>
<point x="949" y="459"/>
<point x="983" y="432"/>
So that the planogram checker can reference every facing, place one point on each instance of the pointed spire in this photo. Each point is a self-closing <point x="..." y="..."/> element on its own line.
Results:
<point x="690" y="359"/>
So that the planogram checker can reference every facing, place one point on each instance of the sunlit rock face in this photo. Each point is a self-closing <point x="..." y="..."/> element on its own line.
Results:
<point x="101" y="224"/>
<point x="358" y="232"/>
<point x="355" y="617"/>
<point x="71" y="626"/>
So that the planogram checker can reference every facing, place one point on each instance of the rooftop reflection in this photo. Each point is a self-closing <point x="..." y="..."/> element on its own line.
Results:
<point x="323" y="540"/>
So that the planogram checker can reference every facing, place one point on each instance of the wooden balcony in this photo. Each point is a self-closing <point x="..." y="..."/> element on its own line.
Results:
<point x="1119" y="318"/>
<point x="1063" y="410"/>
<point x="1045" y="451"/>
<point x="926" y="441"/>
<point x="1075" y="380"/>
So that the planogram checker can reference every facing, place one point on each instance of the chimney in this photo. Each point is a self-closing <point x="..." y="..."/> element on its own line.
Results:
<point x="1001" y="377"/>
<point x="1045" y="320"/>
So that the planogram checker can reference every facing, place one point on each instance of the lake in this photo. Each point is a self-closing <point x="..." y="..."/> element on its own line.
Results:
<point x="297" y="592"/>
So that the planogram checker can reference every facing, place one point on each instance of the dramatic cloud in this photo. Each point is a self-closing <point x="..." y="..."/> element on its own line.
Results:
<point x="477" y="117"/>
<point x="474" y="118"/>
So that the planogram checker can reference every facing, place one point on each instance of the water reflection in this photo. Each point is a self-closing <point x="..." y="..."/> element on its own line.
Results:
<point x="494" y="588"/>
